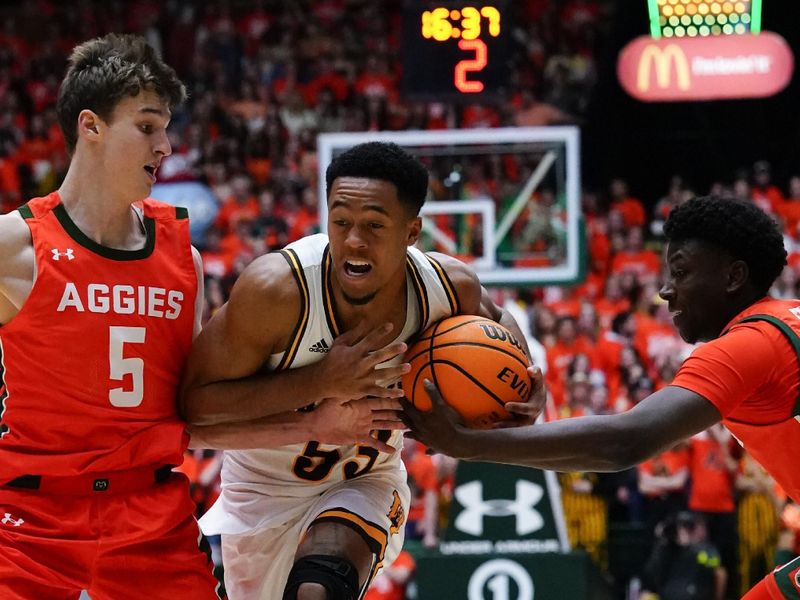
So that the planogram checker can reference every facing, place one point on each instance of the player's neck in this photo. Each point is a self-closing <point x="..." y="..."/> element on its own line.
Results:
<point x="389" y="304"/>
<point x="91" y="206"/>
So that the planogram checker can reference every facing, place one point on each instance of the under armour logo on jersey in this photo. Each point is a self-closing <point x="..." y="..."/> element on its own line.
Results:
<point x="58" y="254"/>
<point x="470" y="495"/>
<point x="8" y="520"/>
<point x="320" y="346"/>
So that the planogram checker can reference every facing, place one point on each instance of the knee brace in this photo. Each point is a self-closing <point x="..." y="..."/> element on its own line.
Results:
<point x="337" y="575"/>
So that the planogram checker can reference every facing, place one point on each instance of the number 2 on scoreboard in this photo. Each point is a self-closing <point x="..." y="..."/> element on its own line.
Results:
<point x="473" y="65"/>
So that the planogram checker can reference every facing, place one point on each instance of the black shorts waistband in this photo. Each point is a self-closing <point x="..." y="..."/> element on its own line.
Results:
<point x="113" y="482"/>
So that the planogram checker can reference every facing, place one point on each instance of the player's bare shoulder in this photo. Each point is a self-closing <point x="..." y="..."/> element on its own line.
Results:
<point x="15" y="239"/>
<point x="464" y="279"/>
<point x="266" y="294"/>
<point x="17" y="264"/>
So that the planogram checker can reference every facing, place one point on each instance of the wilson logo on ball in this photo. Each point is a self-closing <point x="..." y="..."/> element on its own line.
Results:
<point x="501" y="334"/>
<point x="477" y="365"/>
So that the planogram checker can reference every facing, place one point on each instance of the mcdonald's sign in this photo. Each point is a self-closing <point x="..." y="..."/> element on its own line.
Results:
<point x="705" y="68"/>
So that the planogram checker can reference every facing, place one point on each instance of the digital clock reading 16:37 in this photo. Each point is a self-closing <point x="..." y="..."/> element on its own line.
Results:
<point x="451" y="50"/>
<point x="435" y="23"/>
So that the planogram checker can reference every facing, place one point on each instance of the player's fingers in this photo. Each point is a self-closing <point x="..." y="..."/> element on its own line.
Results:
<point x="392" y="373"/>
<point x="385" y="415"/>
<point x="373" y="403"/>
<point x="410" y="413"/>
<point x="371" y="340"/>
<point x="437" y="402"/>
<point x="387" y="353"/>
<point x="379" y="391"/>
<point x="521" y="408"/>
<point x="524" y="413"/>
<point x="354" y="335"/>
<point x="537" y="378"/>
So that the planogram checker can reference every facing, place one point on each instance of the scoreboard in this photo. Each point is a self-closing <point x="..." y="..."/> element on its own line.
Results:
<point x="455" y="50"/>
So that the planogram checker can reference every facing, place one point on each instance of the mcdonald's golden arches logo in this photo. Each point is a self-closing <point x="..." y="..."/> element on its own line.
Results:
<point x="664" y="61"/>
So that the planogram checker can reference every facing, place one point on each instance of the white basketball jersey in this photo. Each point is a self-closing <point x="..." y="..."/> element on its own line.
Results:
<point x="305" y="470"/>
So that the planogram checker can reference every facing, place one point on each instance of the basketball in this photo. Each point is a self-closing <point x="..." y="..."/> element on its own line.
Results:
<point x="477" y="364"/>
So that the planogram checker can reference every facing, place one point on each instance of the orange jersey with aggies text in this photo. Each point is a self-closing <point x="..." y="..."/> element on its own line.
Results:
<point x="92" y="362"/>
<point x="751" y="374"/>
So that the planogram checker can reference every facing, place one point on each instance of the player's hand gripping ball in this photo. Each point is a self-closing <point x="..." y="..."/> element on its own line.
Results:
<point x="477" y="365"/>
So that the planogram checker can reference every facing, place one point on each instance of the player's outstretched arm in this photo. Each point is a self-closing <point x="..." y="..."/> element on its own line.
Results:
<point x="474" y="300"/>
<point x="227" y="379"/>
<point x="597" y="443"/>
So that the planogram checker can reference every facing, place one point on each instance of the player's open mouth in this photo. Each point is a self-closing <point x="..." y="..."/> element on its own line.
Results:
<point x="151" y="170"/>
<point x="357" y="268"/>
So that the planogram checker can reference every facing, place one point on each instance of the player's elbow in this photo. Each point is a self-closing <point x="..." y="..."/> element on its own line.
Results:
<point x="627" y="448"/>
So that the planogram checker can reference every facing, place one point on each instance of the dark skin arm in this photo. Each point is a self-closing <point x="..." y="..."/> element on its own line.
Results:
<point x="475" y="300"/>
<point x="597" y="443"/>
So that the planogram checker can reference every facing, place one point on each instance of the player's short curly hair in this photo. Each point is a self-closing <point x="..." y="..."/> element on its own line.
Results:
<point x="740" y="228"/>
<point x="385" y="161"/>
<point x="103" y="71"/>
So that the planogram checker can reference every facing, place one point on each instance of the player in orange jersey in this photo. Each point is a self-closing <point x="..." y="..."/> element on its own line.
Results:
<point x="100" y="296"/>
<point x="723" y="256"/>
<point x="99" y="299"/>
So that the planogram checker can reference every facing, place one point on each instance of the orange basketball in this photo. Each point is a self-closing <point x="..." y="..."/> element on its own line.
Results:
<point x="477" y="364"/>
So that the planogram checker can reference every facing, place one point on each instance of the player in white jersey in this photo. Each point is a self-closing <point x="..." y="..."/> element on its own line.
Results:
<point x="323" y="324"/>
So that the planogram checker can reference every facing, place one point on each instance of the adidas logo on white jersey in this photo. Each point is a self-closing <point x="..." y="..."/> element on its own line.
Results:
<point x="320" y="346"/>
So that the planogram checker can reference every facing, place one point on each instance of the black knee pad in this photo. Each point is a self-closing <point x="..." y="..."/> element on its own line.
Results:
<point x="337" y="575"/>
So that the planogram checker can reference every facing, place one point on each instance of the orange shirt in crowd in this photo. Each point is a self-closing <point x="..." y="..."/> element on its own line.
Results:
<point x="608" y="309"/>
<point x="422" y="471"/>
<point x="789" y="211"/>
<point x="384" y="587"/>
<point x="600" y="252"/>
<point x="566" y="307"/>
<point x="217" y="264"/>
<point x="232" y="211"/>
<point x="651" y="337"/>
<point x="607" y="357"/>
<point x="592" y="287"/>
<point x="667" y="463"/>
<point x="632" y="211"/>
<point x="644" y="263"/>
<point x="772" y="194"/>
<point x="712" y="480"/>
<point x="559" y="358"/>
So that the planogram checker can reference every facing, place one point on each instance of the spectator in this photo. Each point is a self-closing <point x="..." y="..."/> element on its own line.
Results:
<point x="713" y="472"/>
<point x="684" y="565"/>
<point x="631" y="209"/>
<point x="757" y="514"/>
<point x="393" y="583"/>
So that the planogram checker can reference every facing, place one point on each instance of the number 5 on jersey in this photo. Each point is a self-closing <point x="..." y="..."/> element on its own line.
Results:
<point x="119" y="366"/>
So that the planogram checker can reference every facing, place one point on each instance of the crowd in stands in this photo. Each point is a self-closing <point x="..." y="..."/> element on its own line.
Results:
<point x="265" y="77"/>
